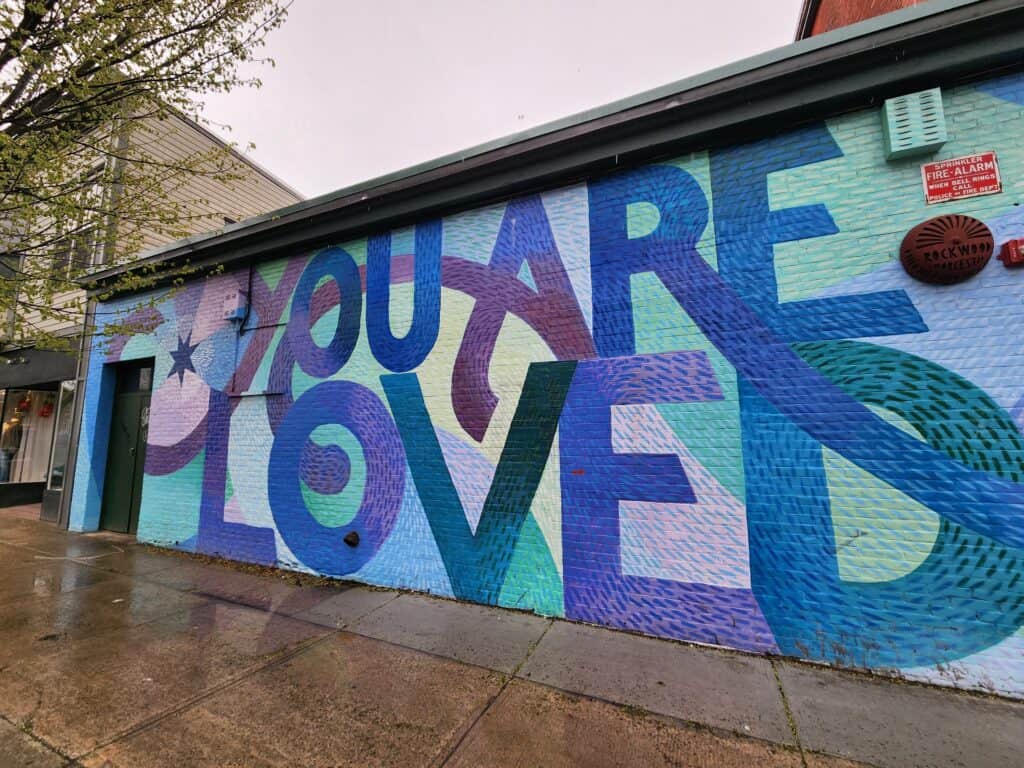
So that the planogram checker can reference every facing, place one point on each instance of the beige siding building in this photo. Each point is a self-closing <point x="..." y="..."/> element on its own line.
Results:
<point x="212" y="202"/>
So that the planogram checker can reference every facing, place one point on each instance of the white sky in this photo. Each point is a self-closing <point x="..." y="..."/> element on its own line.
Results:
<point x="364" y="88"/>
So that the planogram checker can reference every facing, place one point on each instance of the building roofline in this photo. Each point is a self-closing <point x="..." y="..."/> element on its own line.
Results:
<point x="808" y="14"/>
<point x="938" y="43"/>
<point x="240" y="156"/>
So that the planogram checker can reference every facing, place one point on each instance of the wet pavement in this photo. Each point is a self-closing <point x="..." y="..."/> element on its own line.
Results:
<point x="115" y="654"/>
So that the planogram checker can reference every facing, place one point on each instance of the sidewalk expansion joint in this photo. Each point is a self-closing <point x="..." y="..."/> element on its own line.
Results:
<point x="531" y="648"/>
<point x="213" y="690"/>
<point x="480" y="716"/>
<point x="360" y="617"/>
<point x="72" y="763"/>
<point x="789" y="713"/>
<point x="505" y="683"/>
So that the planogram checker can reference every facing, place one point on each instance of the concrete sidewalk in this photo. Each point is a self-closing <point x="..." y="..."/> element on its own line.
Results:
<point x="113" y="654"/>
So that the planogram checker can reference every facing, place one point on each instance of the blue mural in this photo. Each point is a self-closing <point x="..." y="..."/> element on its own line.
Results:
<point x="697" y="399"/>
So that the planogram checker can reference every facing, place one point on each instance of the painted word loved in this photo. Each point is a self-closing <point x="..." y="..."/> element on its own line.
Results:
<point x="771" y="345"/>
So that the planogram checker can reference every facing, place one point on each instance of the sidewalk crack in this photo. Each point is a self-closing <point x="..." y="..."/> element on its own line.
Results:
<point x="531" y="648"/>
<point x="27" y="731"/>
<point x="352" y="622"/>
<point x="789" y="713"/>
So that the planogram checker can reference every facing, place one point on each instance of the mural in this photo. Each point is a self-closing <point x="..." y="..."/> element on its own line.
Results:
<point x="698" y="399"/>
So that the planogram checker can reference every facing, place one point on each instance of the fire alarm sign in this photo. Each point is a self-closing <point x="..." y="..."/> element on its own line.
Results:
<point x="961" y="177"/>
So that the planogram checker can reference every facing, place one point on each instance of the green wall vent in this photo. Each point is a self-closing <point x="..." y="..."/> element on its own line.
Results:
<point x="913" y="124"/>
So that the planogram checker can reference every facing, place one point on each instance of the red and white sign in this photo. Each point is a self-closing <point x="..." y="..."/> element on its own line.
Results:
<point x="961" y="177"/>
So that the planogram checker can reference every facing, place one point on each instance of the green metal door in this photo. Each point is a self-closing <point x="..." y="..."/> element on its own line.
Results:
<point x="126" y="451"/>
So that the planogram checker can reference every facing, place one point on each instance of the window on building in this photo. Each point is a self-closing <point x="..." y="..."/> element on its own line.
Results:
<point x="85" y="248"/>
<point x="61" y="256"/>
<point x="62" y="435"/>
<point x="26" y="435"/>
<point x="10" y="267"/>
<point x="80" y="250"/>
<point x="83" y="244"/>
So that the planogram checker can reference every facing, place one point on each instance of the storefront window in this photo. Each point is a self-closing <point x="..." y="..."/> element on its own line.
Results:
<point x="29" y="416"/>
<point x="62" y="434"/>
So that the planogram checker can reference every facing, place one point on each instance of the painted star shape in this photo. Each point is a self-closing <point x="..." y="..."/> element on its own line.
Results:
<point x="182" y="357"/>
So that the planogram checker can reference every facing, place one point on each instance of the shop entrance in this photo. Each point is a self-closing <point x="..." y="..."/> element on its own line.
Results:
<point x="126" y="451"/>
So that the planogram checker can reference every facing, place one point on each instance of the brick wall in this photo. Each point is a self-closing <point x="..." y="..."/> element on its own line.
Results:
<point x="832" y="14"/>
<point x="699" y="399"/>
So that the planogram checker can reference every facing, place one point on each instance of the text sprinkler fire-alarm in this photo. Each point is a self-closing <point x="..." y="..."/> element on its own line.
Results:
<point x="947" y="249"/>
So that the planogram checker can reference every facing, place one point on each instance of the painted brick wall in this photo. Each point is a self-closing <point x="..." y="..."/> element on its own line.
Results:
<point x="700" y="400"/>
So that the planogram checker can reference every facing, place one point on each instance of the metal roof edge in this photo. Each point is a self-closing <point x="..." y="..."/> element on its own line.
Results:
<point x="808" y="74"/>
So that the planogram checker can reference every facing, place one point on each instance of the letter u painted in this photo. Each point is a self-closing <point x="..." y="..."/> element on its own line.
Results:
<point x="404" y="354"/>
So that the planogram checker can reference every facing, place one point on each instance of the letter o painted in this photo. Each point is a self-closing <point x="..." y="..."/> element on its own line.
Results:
<point x="358" y="409"/>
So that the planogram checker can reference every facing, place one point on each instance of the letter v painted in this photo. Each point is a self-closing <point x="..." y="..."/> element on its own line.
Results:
<point x="477" y="564"/>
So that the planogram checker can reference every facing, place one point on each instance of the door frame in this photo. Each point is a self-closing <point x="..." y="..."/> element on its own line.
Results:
<point x="129" y="383"/>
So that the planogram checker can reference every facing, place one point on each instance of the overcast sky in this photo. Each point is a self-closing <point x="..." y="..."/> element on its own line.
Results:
<point x="364" y="88"/>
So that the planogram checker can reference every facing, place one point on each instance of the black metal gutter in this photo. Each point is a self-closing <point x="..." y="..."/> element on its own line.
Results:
<point x="847" y="69"/>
